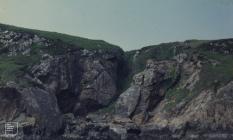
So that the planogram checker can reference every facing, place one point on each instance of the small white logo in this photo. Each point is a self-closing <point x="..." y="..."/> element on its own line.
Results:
<point x="11" y="129"/>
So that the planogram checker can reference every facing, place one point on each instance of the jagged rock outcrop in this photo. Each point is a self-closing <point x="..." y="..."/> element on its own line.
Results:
<point x="148" y="89"/>
<point x="223" y="46"/>
<point x="19" y="43"/>
<point x="207" y="116"/>
<point x="81" y="83"/>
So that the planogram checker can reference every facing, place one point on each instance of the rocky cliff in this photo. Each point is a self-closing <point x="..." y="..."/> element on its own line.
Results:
<point x="58" y="86"/>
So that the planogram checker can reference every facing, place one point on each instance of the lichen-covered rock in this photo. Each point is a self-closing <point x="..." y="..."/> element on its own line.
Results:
<point x="128" y="101"/>
<point x="148" y="88"/>
<point x="209" y="114"/>
<point x="20" y="43"/>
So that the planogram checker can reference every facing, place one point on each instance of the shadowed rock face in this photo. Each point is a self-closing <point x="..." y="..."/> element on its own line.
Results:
<point x="82" y="83"/>
<point x="59" y="90"/>
<point x="33" y="108"/>
<point x="10" y="103"/>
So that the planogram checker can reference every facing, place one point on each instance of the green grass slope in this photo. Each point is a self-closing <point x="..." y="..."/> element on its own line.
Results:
<point x="68" y="39"/>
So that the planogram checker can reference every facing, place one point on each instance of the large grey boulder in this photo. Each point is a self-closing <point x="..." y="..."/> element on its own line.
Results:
<point x="98" y="84"/>
<point x="128" y="101"/>
<point x="34" y="109"/>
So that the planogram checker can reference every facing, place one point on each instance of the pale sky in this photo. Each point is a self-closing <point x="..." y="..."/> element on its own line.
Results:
<point x="131" y="24"/>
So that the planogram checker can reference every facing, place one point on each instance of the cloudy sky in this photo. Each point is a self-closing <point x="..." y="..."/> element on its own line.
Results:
<point x="130" y="24"/>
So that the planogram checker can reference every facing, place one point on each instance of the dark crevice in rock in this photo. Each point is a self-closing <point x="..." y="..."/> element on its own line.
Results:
<point x="135" y="109"/>
<point x="66" y="100"/>
<point x="85" y="106"/>
<point x="134" y="131"/>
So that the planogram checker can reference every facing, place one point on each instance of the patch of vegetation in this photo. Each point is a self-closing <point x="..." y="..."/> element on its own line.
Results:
<point x="59" y="49"/>
<point x="109" y="109"/>
<point x="221" y="71"/>
<point x="12" y="68"/>
<point x="195" y="43"/>
<point x="216" y="72"/>
<point x="137" y="62"/>
<point x="68" y="39"/>
<point x="175" y="96"/>
<point x="159" y="52"/>
<point x="173" y="73"/>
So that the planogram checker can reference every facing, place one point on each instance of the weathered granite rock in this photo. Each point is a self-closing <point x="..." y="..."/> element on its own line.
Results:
<point x="148" y="88"/>
<point x="208" y="116"/>
<point x="87" y="83"/>
<point x="34" y="109"/>
<point x="20" y="43"/>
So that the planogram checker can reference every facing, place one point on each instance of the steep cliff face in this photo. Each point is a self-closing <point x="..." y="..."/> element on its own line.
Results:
<point x="42" y="79"/>
<point x="63" y="87"/>
<point x="83" y="81"/>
